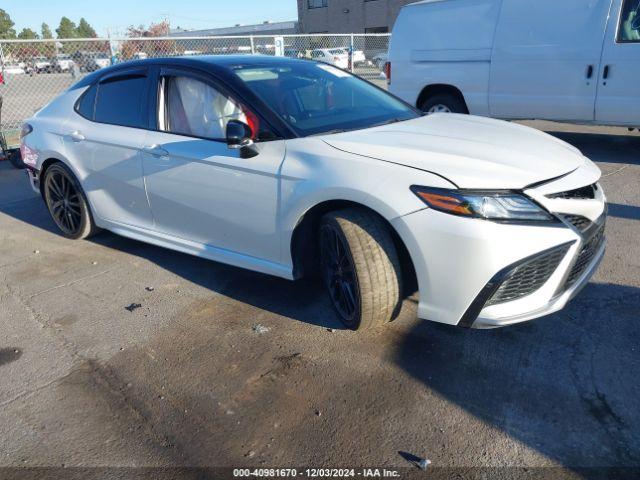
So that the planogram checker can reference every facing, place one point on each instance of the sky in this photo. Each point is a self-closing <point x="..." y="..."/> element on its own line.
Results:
<point x="117" y="15"/>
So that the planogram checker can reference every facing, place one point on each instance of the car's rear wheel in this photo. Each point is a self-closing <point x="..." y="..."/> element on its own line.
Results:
<point x="360" y="267"/>
<point x="67" y="203"/>
<point x="444" y="103"/>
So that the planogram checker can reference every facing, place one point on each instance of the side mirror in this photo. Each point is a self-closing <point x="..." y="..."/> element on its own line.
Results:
<point x="238" y="135"/>
<point x="239" y="138"/>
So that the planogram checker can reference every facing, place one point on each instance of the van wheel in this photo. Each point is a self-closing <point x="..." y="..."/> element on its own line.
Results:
<point x="67" y="203"/>
<point x="444" y="103"/>
<point x="360" y="267"/>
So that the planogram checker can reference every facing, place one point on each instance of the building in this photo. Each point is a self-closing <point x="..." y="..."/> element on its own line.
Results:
<point x="348" y="16"/>
<point x="264" y="28"/>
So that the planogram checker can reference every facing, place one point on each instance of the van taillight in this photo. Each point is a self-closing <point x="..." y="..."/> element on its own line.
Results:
<point x="387" y="72"/>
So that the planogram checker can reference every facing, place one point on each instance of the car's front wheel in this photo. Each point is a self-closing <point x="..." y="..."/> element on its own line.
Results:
<point x="360" y="267"/>
<point x="67" y="203"/>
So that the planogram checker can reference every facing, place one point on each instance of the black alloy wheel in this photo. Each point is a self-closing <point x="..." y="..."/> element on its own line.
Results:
<point x="339" y="275"/>
<point x="66" y="203"/>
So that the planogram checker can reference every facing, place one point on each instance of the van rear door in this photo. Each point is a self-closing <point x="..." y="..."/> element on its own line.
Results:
<point x="546" y="59"/>
<point x="618" y="99"/>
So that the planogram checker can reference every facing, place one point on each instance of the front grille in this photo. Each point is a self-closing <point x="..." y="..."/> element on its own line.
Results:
<point x="529" y="276"/>
<point x="578" y="221"/>
<point x="586" y="255"/>
<point x="582" y="193"/>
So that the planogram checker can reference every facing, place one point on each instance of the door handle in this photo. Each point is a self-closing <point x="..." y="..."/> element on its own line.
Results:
<point x="76" y="136"/>
<point x="155" y="150"/>
<point x="605" y="74"/>
<point x="589" y="71"/>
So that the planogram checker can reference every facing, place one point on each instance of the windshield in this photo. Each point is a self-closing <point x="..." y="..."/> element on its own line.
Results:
<point x="314" y="98"/>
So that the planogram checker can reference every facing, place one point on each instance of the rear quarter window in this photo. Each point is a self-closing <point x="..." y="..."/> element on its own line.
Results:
<point x="87" y="104"/>
<point x="119" y="101"/>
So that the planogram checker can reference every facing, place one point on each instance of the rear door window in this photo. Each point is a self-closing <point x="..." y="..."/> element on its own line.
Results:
<point x="120" y="100"/>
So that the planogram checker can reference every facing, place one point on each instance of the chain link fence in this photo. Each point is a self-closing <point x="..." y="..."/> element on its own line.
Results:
<point x="36" y="71"/>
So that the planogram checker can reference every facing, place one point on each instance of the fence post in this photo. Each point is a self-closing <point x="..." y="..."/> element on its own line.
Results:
<point x="351" y="53"/>
<point x="253" y="47"/>
<point x="112" y="52"/>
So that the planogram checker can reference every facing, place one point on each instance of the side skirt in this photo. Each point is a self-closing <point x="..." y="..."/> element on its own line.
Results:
<point x="199" y="249"/>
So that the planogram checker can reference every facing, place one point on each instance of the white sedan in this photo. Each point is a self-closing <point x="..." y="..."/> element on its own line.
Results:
<point x="333" y="56"/>
<point x="296" y="168"/>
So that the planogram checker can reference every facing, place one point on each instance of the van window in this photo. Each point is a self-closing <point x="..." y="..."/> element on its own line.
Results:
<point x="119" y="101"/>
<point x="197" y="109"/>
<point x="629" y="29"/>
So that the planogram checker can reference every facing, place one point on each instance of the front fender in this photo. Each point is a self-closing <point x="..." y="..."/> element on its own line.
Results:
<point x="314" y="173"/>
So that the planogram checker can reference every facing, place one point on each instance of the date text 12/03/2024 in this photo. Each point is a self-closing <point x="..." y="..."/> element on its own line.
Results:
<point x="316" y="473"/>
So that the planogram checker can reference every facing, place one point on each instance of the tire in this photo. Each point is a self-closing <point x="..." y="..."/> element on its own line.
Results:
<point x="453" y="103"/>
<point x="59" y="183"/>
<point x="369" y="266"/>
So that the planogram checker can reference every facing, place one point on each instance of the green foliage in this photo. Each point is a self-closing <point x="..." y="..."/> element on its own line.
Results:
<point x="67" y="28"/>
<point x="46" y="31"/>
<point x="27" y="34"/>
<point x="6" y="25"/>
<point x="85" y="30"/>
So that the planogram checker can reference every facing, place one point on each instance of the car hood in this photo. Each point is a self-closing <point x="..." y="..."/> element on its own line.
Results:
<point x="471" y="152"/>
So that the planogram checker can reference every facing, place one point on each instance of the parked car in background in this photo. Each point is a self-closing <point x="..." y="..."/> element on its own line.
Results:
<point x="295" y="168"/>
<point x="333" y="56"/>
<point x="568" y="60"/>
<point x="292" y="52"/>
<point x="14" y="69"/>
<point x="101" y="60"/>
<point x="380" y="59"/>
<point x="88" y="61"/>
<point x="62" y="63"/>
<point x="42" y="65"/>
<point x="358" y="56"/>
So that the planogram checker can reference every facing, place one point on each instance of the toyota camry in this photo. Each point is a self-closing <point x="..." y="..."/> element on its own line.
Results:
<point x="297" y="168"/>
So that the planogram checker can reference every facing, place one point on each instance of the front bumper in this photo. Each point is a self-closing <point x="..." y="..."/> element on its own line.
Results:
<point x="460" y="263"/>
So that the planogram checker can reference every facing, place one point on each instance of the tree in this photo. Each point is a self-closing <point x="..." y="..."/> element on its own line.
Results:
<point x="154" y="48"/>
<point x="46" y="31"/>
<point x="6" y="25"/>
<point x="27" y="34"/>
<point x="67" y="28"/>
<point x="85" y="30"/>
<point x="155" y="30"/>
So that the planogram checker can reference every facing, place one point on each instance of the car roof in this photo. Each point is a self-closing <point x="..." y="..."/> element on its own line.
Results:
<point x="222" y="64"/>
<point x="224" y="61"/>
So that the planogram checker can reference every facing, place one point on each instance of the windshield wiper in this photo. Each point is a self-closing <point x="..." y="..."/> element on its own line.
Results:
<point x="388" y="122"/>
<point x="342" y="130"/>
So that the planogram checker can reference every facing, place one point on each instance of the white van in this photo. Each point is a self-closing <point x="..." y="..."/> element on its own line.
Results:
<point x="564" y="60"/>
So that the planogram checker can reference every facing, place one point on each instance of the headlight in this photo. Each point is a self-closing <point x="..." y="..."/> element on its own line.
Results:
<point x="497" y="206"/>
